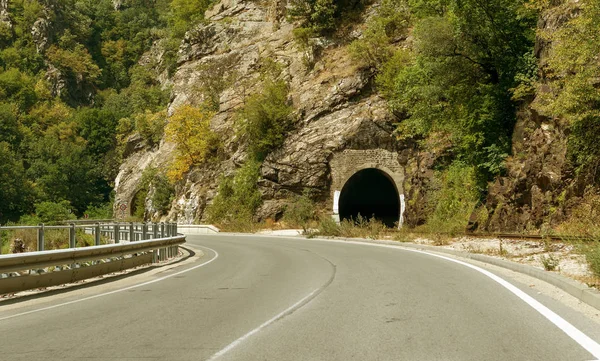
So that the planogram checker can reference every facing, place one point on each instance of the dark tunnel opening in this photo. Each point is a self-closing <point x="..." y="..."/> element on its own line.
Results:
<point x="370" y="193"/>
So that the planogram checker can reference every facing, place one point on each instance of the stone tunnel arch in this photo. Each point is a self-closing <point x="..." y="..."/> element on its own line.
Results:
<point x="370" y="193"/>
<point x="374" y="172"/>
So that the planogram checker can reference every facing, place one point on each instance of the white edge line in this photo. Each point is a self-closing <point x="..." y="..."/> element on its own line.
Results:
<point x="115" y="291"/>
<point x="582" y="339"/>
<point x="259" y="328"/>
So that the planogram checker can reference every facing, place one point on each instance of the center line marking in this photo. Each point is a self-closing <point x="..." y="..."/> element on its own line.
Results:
<point x="259" y="328"/>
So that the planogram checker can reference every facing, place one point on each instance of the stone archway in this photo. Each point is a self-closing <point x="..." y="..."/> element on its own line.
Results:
<point x="361" y="182"/>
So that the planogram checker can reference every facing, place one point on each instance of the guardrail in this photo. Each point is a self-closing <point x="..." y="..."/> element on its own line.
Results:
<point x="133" y="245"/>
<point x="114" y="232"/>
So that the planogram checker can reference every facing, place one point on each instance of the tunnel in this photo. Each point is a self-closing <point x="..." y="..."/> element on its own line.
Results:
<point x="370" y="193"/>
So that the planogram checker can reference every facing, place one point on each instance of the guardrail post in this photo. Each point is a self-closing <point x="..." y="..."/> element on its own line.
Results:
<point x="175" y="229"/>
<point x="154" y="230"/>
<point x="144" y="231"/>
<point x="116" y="232"/>
<point x="162" y="230"/>
<point x="0" y="239"/>
<point x="97" y="235"/>
<point x="72" y="243"/>
<point x="131" y="234"/>
<point x="40" y="237"/>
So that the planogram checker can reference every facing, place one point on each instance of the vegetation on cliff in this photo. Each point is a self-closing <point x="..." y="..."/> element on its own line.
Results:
<point x="71" y="87"/>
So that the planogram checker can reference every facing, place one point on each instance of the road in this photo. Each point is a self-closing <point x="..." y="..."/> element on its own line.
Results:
<point x="259" y="298"/>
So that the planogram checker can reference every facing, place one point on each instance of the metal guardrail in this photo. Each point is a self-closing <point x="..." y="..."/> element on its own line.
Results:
<point x="146" y="243"/>
<point x="115" y="232"/>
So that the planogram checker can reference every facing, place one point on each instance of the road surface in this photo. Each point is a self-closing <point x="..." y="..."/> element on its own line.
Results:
<point x="260" y="298"/>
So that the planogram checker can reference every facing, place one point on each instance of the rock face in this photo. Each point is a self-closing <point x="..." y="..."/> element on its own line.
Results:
<point x="339" y="122"/>
<point x="4" y="14"/>
<point x="540" y="186"/>
<point x="336" y="109"/>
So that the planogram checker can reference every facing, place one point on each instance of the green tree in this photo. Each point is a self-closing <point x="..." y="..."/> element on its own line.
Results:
<point x="457" y="81"/>
<point x="570" y="89"/>
<point x="15" y="188"/>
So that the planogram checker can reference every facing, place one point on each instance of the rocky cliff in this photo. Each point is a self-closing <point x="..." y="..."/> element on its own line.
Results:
<point x="336" y="109"/>
<point x="341" y="126"/>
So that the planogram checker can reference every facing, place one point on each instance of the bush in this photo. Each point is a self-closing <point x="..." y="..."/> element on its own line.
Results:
<point x="300" y="212"/>
<point x="549" y="262"/>
<point x="361" y="227"/>
<point x="238" y="198"/>
<point x="151" y="126"/>
<point x="592" y="256"/>
<point x="163" y="193"/>
<point x="104" y="211"/>
<point x="265" y="118"/>
<point x="454" y="195"/>
<point x="53" y="212"/>
<point x="328" y="227"/>
<point x="390" y="22"/>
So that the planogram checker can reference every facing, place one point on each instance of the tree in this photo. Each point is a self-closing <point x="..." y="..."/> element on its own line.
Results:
<point x="457" y="80"/>
<point x="189" y="129"/>
<point x="15" y="189"/>
<point x="570" y="88"/>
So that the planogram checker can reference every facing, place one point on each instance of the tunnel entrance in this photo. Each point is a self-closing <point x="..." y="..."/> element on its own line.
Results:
<point x="370" y="193"/>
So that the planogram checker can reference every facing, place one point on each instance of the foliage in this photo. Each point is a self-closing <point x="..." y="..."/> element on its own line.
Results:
<point x="62" y="96"/>
<point x="457" y="77"/>
<point x="454" y="195"/>
<point x="15" y="189"/>
<point x="185" y="13"/>
<point x="151" y="126"/>
<point x="300" y="212"/>
<point x="189" y="129"/>
<point x="361" y="227"/>
<point x="216" y="77"/>
<point x="376" y="46"/>
<point x="53" y="212"/>
<point x="238" y="198"/>
<point x="320" y="17"/>
<point x="550" y="262"/>
<point x="103" y="211"/>
<point x="265" y="118"/>
<point x="570" y="90"/>
<point x="163" y="192"/>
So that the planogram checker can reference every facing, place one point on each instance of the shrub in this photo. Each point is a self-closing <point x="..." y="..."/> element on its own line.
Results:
<point x="53" y="212"/>
<point x="454" y="195"/>
<point x="265" y="118"/>
<point x="390" y="22"/>
<point x="163" y="193"/>
<point x="150" y="126"/>
<point x="238" y="198"/>
<point x="328" y="227"/>
<point x="592" y="256"/>
<point x="549" y="262"/>
<point x="300" y="212"/>
<point x="104" y="211"/>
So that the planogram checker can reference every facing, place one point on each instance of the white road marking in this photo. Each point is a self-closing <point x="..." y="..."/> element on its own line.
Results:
<point x="582" y="339"/>
<point x="259" y="328"/>
<point x="115" y="291"/>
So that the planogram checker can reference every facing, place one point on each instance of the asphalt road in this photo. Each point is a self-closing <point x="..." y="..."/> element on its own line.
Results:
<point x="258" y="298"/>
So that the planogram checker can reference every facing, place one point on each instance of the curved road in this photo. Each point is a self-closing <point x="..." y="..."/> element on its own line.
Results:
<point x="259" y="298"/>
